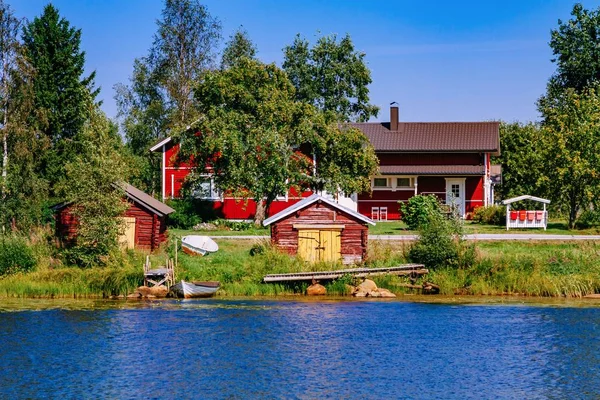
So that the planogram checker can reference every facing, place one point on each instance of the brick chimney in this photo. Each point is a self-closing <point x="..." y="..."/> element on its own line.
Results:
<point x="394" y="116"/>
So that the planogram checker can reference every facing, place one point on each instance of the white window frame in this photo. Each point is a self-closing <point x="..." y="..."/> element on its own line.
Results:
<point x="214" y="193"/>
<point x="392" y="182"/>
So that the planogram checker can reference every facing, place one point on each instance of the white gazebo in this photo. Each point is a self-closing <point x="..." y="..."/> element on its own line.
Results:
<point x="526" y="218"/>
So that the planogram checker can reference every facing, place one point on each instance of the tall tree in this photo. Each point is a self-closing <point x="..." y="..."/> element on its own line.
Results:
<point x="521" y="159"/>
<point x="60" y="87"/>
<point x="238" y="47"/>
<point x="183" y="48"/>
<point x="332" y="76"/>
<point x="253" y="132"/>
<point x="571" y="146"/>
<point x="20" y="189"/>
<point x="576" y="47"/>
<point x="144" y="114"/>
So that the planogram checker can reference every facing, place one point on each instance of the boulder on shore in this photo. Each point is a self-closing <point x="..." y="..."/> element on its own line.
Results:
<point x="368" y="288"/>
<point x="316" y="290"/>
<point x="149" y="292"/>
<point x="368" y="285"/>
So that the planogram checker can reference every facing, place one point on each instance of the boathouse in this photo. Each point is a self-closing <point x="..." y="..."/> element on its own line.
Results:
<point x="319" y="229"/>
<point x="145" y="221"/>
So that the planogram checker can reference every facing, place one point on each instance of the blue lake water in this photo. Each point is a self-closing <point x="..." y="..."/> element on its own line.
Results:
<point x="240" y="349"/>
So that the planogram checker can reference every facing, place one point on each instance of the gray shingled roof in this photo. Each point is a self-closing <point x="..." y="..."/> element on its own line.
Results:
<point x="157" y="206"/>
<point x="431" y="169"/>
<point x="433" y="136"/>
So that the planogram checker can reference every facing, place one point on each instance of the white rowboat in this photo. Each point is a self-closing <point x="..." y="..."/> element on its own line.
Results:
<point x="198" y="245"/>
<point x="189" y="290"/>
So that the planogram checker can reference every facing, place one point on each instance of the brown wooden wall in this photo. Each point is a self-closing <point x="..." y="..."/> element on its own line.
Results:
<point x="150" y="229"/>
<point x="354" y="236"/>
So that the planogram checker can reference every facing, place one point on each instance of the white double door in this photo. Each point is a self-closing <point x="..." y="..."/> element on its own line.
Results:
<point x="455" y="194"/>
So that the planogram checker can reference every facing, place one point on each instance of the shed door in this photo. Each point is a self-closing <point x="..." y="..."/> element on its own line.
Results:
<point x="127" y="239"/>
<point x="319" y="245"/>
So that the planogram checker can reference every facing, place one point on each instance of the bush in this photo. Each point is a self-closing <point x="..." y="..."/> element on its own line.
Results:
<point x="15" y="255"/>
<point x="588" y="219"/>
<point x="190" y="212"/>
<point x="417" y="211"/>
<point x="440" y="244"/>
<point x="491" y="215"/>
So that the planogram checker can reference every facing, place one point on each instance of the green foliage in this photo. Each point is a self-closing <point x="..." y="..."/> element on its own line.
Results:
<point x="418" y="210"/>
<point x="189" y="212"/>
<point x="521" y="159"/>
<point x="440" y="244"/>
<point x="61" y="94"/>
<point x="233" y="225"/>
<point x="94" y="186"/>
<point x="239" y="46"/>
<point x="588" y="219"/>
<point x="490" y="215"/>
<point x="332" y="76"/>
<point x="15" y="255"/>
<point x="576" y="47"/>
<point x="571" y="149"/>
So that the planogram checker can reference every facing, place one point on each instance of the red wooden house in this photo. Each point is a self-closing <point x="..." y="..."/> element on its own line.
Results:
<point x="448" y="159"/>
<point x="145" y="221"/>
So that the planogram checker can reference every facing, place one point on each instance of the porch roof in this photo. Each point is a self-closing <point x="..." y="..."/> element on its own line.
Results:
<point x="431" y="169"/>
<point x="525" y="197"/>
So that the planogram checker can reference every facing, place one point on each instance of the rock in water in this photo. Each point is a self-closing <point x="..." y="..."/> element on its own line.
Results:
<point x="316" y="290"/>
<point x="368" y="285"/>
<point x="151" y="292"/>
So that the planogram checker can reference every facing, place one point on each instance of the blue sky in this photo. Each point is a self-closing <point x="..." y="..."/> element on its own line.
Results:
<point x="440" y="60"/>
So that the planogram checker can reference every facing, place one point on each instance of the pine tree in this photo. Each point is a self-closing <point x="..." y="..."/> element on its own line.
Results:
<point x="60" y="88"/>
<point x="238" y="47"/>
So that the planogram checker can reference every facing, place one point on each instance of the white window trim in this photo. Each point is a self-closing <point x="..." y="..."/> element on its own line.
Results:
<point x="392" y="181"/>
<point x="215" y="194"/>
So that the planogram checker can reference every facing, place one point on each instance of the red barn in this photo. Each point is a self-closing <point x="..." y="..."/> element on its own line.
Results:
<point x="448" y="159"/>
<point x="319" y="229"/>
<point x="145" y="221"/>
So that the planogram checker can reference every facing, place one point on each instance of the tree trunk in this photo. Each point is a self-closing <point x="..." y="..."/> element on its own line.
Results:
<point x="259" y="217"/>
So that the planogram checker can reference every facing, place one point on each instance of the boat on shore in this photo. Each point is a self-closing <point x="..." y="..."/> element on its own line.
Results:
<point x="198" y="245"/>
<point x="190" y="290"/>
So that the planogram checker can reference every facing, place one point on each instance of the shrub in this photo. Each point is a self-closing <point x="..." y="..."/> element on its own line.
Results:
<point x="15" y="255"/>
<point x="190" y="212"/>
<point x="440" y="244"/>
<point x="491" y="215"/>
<point x="417" y="211"/>
<point x="588" y="219"/>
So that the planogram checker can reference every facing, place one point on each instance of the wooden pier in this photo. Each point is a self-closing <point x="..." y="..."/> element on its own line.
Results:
<point x="400" y="270"/>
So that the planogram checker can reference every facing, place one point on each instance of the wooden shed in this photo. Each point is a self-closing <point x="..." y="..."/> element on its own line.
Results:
<point x="319" y="229"/>
<point x="145" y="221"/>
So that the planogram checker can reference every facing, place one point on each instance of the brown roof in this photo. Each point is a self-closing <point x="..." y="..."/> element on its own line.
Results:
<point x="431" y="169"/>
<point x="150" y="202"/>
<point x="433" y="136"/>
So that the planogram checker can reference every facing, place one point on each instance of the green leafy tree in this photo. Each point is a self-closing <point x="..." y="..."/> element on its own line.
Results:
<point x="521" y="159"/>
<point x="332" y="76"/>
<point x="144" y="115"/>
<point x="571" y="144"/>
<point x="252" y="133"/>
<point x="238" y="47"/>
<point x="21" y="191"/>
<point x="576" y="47"/>
<point x="94" y="187"/>
<point x="159" y="99"/>
<point x="183" y="48"/>
<point x="61" y="90"/>
<point x="417" y="211"/>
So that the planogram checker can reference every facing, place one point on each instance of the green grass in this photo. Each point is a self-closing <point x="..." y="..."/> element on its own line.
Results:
<point x="220" y="232"/>
<point x="502" y="268"/>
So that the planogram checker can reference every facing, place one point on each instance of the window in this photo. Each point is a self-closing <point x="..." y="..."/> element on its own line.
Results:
<point x="380" y="182"/>
<point x="207" y="190"/>
<point x="405" y="182"/>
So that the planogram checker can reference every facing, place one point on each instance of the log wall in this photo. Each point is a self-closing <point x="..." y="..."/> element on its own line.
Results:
<point x="354" y="236"/>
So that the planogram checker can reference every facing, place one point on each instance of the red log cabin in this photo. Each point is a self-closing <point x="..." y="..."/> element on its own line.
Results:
<point x="448" y="159"/>
<point x="144" y="218"/>
<point x="318" y="229"/>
